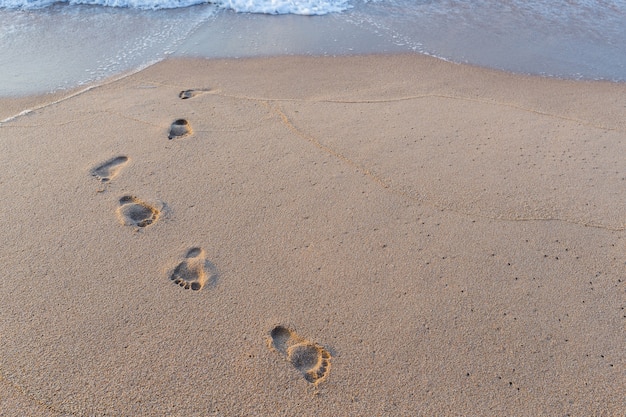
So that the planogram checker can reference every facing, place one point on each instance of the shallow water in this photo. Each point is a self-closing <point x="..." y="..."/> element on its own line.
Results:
<point x="62" y="45"/>
<point x="563" y="38"/>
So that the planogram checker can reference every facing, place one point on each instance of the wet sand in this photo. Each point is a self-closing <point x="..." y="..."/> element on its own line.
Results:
<point x="368" y="235"/>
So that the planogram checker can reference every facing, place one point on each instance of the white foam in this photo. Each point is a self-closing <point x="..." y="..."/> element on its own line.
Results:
<point x="136" y="4"/>
<point x="301" y="7"/>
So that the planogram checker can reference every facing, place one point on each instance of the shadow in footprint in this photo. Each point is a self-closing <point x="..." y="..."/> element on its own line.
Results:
<point x="134" y="212"/>
<point x="311" y="359"/>
<point x="109" y="170"/>
<point x="195" y="271"/>
<point x="179" y="128"/>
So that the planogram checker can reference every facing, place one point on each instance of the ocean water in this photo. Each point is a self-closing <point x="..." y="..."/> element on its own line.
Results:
<point x="47" y="45"/>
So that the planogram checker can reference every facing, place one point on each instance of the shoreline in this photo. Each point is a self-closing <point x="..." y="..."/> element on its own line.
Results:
<point x="14" y="105"/>
<point x="371" y="234"/>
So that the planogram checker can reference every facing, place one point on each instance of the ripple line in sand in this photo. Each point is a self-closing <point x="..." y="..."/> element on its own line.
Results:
<point x="384" y="184"/>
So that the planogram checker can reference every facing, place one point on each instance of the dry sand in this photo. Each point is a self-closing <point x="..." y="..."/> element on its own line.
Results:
<point x="360" y="236"/>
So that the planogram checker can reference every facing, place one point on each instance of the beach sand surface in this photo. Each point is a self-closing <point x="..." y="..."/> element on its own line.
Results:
<point x="337" y="236"/>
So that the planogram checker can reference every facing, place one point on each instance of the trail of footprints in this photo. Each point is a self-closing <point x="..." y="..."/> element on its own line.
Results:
<point x="195" y="271"/>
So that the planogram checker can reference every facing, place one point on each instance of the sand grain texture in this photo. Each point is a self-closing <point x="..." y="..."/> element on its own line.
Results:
<point x="452" y="237"/>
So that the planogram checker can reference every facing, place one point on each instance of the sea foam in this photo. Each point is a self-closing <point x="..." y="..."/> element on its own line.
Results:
<point x="300" y="7"/>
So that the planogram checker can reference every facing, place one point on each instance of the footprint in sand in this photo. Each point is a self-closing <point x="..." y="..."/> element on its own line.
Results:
<point x="187" y="94"/>
<point x="312" y="360"/>
<point x="109" y="170"/>
<point x="195" y="271"/>
<point x="179" y="128"/>
<point x="134" y="212"/>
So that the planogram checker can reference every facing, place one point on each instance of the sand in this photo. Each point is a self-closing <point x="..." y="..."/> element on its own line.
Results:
<point x="369" y="235"/>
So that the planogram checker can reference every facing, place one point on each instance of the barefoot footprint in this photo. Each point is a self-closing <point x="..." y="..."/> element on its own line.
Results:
<point x="194" y="272"/>
<point x="134" y="212"/>
<point x="179" y="128"/>
<point x="312" y="360"/>
<point x="109" y="170"/>
<point x="187" y="94"/>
